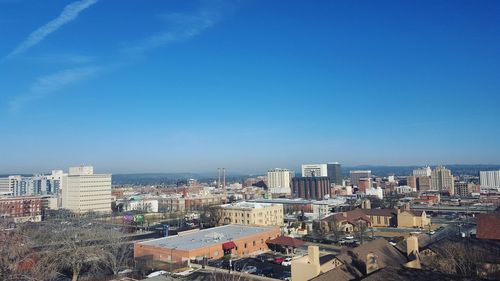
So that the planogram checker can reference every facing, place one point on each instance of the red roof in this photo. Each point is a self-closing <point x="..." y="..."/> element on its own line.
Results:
<point x="286" y="241"/>
<point x="352" y="217"/>
<point x="488" y="226"/>
<point x="228" y="245"/>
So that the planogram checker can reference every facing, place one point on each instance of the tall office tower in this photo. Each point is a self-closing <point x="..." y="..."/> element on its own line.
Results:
<point x="357" y="175"/>
<point x="314" y="170"/>
<point x="334" y="171"/>
<point x="461" y="189"/>
<point x="489" y="179"/>
<point x="423" y="183"/>
<point x="86" y="191"/>
<point x="423" y="172"/>
<point x="442" y="180"/>
<point x="317" y="188"/>
<point x="411" y="181"/>
<point x="280" y="180"/>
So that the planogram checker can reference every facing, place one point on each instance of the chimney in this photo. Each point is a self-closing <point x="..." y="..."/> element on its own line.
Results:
<point x="371" y="263"/>
<point x="412" y="247"/>
<point x="313" y="255"/>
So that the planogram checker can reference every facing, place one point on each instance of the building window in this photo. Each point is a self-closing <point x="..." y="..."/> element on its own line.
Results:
<point x="254" y="243"/>
<point x="245" y="245"/>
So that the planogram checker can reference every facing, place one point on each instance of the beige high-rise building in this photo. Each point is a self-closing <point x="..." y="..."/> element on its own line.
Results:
<point x="247" y="213"/>
<point x="442" y="180"/>
<point x="85" y="191"/>
<point x="280" y="180"/>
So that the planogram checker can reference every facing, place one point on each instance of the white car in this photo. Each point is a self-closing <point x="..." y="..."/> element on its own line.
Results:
<point x="126" y="271"/>
<point x="157" y="273"/>
<point x="287" y="262"/>
<point x="249" y="269"/>
<point x="349" y="237"/>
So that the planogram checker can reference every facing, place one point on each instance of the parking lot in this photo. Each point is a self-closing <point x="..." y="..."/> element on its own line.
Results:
<point x="263" y="265"/>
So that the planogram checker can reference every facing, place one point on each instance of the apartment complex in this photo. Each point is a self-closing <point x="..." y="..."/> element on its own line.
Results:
<point x="35" y="185"/>
<point x="86" y="191"/>
<point x="280" y="180"/>
<point x="489" y="179"/>
<point x="249" y="213"/>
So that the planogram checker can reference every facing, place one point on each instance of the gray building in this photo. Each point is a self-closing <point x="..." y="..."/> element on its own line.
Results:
<point x="334" y="171"/>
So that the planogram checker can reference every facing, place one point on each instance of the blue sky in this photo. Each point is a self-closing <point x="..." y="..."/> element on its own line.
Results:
<point x="174" y="86"/>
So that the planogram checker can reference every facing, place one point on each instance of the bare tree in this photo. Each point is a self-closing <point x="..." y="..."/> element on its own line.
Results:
<point x="361" y="227"/>
<point x="459" y="258"/>
<point x="78" y="246"/>
<point x="18" y="259"/>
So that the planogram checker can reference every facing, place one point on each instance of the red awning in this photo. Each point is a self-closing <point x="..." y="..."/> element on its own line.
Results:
<point x="228" y="245"/>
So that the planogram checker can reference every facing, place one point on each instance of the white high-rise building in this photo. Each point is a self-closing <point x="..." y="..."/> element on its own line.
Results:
<point x="423" y="172"/>
<point x="86" y="191"/>
<point x="315" y="170"/>
<point x="489" y="179"/>
<point x="9" y="184"/>
<point x="280" y="180"/>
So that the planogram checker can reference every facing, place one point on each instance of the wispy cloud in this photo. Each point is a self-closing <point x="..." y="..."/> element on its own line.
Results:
<point x="62" y="59"/>
<point x="180" y="27"/>
<point x="69" y="13"/>
<point x="48" y="84"/>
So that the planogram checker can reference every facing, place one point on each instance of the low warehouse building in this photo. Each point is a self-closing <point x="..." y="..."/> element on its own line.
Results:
<point x="212" y="243"/>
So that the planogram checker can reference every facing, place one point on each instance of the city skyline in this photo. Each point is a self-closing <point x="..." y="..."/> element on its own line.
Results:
<point x="249" y="85"/>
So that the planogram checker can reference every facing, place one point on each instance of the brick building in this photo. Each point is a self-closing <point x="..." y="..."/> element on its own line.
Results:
<point x="27" y="208"/>
<point x="212" y="243"/>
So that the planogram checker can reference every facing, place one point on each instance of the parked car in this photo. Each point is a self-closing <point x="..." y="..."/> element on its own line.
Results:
<point x="349" y="237"/>
<point x="249" y="269"/>
<point x="261" y="258"/>
<point x="126" y="271"/>
<point x="157" y="273"/>
<point x="278" y="260"/>
<point x="266" y="271"/>
<point x="432" y="232"/>
<point x="287" y="262"/>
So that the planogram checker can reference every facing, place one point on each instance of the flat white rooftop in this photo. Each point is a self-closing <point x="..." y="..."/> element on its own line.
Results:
<point x="206" y="237"/>
<point x="247" y="205"/>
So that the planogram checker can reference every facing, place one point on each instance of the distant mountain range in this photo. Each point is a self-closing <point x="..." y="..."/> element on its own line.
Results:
<point x="382" y="171"/>
<point x="377" y="170"/>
